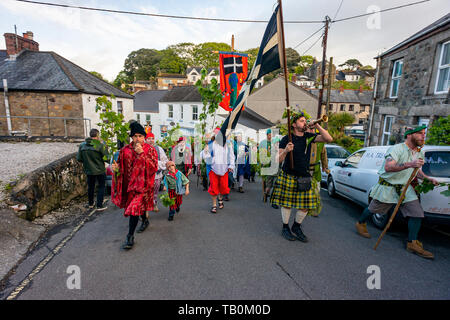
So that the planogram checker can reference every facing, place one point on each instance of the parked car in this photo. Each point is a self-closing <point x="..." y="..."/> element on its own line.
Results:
<point x="334" y="153"/>
<point x="356" y="132"/>
<point x="355" y="177"/>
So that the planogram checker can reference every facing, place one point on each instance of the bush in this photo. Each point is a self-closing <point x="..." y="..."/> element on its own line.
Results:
<point x="439" y="132"/>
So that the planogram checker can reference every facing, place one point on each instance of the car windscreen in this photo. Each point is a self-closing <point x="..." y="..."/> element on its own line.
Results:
<point x="437" y="164"/>
<point x="337" y="153"/>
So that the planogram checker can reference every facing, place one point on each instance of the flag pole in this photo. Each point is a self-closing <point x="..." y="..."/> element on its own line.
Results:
<point x="291" y="156"/>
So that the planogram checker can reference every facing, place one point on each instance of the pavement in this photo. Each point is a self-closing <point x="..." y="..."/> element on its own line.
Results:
<point x="236" y="254"/>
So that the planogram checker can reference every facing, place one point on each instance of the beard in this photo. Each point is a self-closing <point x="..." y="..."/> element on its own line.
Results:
<point x="418" y="142"/>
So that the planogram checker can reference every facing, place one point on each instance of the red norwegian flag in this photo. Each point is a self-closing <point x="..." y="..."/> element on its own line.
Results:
<point x="233" y="72"/>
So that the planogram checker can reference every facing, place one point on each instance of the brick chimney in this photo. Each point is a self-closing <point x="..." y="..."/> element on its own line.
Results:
<point x="15" y="43"/>
<point x="360" y="89"/>
<point x="341" y="89"/>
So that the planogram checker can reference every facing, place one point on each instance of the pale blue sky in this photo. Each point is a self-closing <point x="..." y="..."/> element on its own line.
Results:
<point x="101" y="41"/>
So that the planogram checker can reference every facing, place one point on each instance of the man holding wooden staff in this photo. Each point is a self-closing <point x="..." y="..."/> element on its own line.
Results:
<point x="399" y="164"/>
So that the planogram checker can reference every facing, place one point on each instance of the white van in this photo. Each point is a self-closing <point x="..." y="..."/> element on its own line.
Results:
<point x="355" y="177"/>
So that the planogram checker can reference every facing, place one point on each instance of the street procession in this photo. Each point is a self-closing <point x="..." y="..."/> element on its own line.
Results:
<point x="212" y="172"/>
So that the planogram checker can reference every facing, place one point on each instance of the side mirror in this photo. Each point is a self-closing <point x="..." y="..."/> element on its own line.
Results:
<point x="339" y="164"/>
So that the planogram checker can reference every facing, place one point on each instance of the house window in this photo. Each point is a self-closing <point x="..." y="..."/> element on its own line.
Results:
<point x="331" y="107"/>
<point x="443" y="75"/>
<point x="120" y="107"/>
<point x="388" y="121"/>
<point x="194" y="112"/>
<point x="181" y="111"/>
<point x="396" y="76"/>
<point x="342" y="107"/>
<point x="147" y="118"/>
<point x="166" y="81"/>
<point x="194" y="78"/>
<point x="138" y="117"/>
<point x="351" y="108"/>
<point x="170" y="111"/>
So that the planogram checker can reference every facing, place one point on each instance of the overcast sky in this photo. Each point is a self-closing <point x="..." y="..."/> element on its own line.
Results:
<point x="100" y="41"/>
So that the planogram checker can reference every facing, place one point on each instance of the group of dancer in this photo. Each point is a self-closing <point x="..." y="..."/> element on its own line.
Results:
<point x="143" y="166"/>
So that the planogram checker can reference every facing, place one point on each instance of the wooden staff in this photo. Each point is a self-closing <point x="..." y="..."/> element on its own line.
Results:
<point x="291" y="156"/>
<point x="400" y="200"/>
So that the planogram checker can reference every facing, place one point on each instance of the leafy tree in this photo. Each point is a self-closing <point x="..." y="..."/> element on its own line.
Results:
<point x="112" y="125"/>
<point x="142" y="64"/>
<point x="121" y="82"/>
<point x="292" y="59"/>
<point x="439" y="132"/>
<point x="339" y="121"/>
<point x="354" y="85"/>
<point x="368" y="67"/>
<point x="253" y="54"/>
<point x="211" y="97"/>
<point x="98" y="75"/>
<point x="205" y="58"/>
<point x="185" y="51"/>
<point x="171" y="62"/>
<point x="351" y="64"/>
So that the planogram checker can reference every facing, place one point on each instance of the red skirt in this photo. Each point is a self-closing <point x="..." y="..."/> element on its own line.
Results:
<point x="178" y="199"/>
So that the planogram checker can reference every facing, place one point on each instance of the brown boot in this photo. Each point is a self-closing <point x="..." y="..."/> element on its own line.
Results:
<point x="417" y="248"/>
<point x="361" y="228"/>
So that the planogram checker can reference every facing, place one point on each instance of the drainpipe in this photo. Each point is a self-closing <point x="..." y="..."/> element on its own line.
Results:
<point x="8" y="114"/>
<point x="374" y="100"/>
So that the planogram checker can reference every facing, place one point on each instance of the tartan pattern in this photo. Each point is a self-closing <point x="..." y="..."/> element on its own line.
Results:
<point x="286" y="194"/>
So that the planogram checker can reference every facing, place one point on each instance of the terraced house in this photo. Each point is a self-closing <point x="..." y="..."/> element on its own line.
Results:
<point x="44" y="94"/>
<point x="413" y="84"/>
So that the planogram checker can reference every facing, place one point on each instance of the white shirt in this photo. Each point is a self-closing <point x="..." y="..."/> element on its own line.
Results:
<point x="162" y="160"/>
<point x="222" y="160"/>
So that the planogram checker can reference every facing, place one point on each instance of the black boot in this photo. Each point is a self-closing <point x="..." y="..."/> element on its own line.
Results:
<point x="286" y="233"/>
<point x="144" y="226"/>
<point x="129" y="242"/>
<point x="298" y="233"/>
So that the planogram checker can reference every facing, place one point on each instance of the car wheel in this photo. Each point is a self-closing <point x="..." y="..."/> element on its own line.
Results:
<point x="330" y="188"/>
<point x="380" y="220"/>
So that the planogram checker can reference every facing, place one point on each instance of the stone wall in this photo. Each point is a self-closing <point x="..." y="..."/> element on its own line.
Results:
<point x="50" y="187"/>
<point x="416" y="98"/>
<point x="39" y="104"/>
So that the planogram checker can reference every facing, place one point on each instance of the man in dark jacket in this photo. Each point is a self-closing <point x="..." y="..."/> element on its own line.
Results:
<point x="93" y="158"/>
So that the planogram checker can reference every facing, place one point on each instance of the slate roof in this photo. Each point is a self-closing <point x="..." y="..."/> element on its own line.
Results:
<point x="48" y="71"/>
<point x="147" y="100"/>
<point x="347" y="96"/>
<point x="435" y="25"/>
<point x="172" y="75"/>
<point x="182" y="94"/>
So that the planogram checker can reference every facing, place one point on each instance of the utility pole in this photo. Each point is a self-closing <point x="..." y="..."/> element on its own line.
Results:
<point x="330" y="74"/>
<point x="324" y="64"/>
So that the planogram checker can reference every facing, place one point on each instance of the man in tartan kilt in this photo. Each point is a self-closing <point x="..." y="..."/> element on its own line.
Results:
<point x="293" y="186"/>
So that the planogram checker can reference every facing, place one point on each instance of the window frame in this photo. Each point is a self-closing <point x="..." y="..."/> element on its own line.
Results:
<point x="194" y="114"/>
<point x="120" y="109"/>
<point x="441" y="67"/>
<point x="387" y="133"/>
<point x="395" y="77"/>
<point x="181" y="112"/>
<point x="170" y="111"/>
<point x="342" y="107"/>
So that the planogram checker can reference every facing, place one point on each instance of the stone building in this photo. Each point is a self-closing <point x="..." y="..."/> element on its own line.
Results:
<point x="168" y="80"/>
<point x="413" y="84"/>
<point x="355" y="102"/>
<point x="47" y="95"/>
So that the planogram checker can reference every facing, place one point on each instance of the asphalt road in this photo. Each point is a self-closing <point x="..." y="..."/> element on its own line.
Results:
<point x="236" y="254"/>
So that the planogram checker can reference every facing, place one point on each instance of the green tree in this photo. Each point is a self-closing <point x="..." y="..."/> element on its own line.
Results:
<point x="121" y="82"/>
<point x="98" y="75"/>
<point x="304" y="63"/>
<point x="439" y="132"/>
<point x="185" y="51"/>
<point x="340" y="120"/>
<point x="351" y="64"/>
<point x="171" y="62"/>
<point x="142" y="64"/>
<point x="292" y="59"/>
<point x="204" y="56"/>
<point x="112" y="125"/>
<point x="211" y="97"/>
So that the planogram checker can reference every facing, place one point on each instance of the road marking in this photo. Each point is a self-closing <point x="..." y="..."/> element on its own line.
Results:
<point x="47" y="259"/>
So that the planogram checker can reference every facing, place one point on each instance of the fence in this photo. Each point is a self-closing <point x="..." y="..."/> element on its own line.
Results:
<point x="68" y="127"/>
